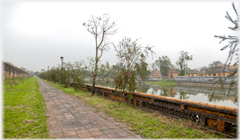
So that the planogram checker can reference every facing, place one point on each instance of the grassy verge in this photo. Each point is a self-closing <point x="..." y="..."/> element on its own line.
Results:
<point x="150" y="125"/>
<point x="163" y="83"/>
<point x="24" y="111"/>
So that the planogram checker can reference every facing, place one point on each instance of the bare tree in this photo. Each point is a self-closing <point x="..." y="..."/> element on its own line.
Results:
<point x="101" y="28"/>
<point x="233" y="49"/>
<point x="232" y="40"/>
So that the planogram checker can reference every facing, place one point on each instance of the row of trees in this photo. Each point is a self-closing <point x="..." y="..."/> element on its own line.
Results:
<point x="131" y="63"/>
<point x="164" y="64"/>
<point x="131" y="60"/>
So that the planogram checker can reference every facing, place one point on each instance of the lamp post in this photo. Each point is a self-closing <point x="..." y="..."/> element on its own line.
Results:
<point x="62" y="70"/>
<point x="48" y="73"/>
<point x="185" y="68"/>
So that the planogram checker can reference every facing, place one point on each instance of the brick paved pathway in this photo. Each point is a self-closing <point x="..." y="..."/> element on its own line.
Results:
<point x="70" y="117"/>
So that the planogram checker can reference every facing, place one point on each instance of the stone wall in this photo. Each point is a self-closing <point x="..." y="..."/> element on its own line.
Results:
<point x="202" y="79"/>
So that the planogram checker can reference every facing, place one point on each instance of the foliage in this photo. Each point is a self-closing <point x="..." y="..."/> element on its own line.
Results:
<point x="24" y="111"/>
<point x="101" y="29"/>
<point x="76" y="73"/>
<point x="103" y="71"/>
<point x="164" y="64"/>
<point x="36" y="73"/>
<point x="131" y="63"/>
<point x="204" y="69"/>
<point x="182" y="61"/>
<point x="214" y="65"/>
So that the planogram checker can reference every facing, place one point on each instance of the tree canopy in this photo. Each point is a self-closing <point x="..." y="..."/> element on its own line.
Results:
<point x="183" y="60"/>
<point x="164" y="64"/>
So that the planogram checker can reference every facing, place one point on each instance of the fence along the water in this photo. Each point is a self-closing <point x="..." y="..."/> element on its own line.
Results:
<point x="13" y="74"/>
<point x="223" y="119"/>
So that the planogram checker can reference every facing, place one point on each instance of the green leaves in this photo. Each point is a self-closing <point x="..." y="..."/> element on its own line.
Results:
<point x="182" y="61"/>
<point x="131" y="63"/>
<point x="164" y="64"/>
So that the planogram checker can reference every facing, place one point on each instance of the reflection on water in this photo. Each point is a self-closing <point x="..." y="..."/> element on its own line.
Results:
<point x="200" y="94"/>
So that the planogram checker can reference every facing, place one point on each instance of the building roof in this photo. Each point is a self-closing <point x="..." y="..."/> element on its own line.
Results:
<point x="194" y="72"/>
<point x="172" y="71"/>
<point x="156" y="71"/>
<point x="218" y="71"/>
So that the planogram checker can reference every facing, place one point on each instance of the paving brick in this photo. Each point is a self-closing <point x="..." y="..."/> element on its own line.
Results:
<point x="67" y="129"/>
<point x="113" y="135"/>
<point x="56" y="135"/>
<point x="96" y="133"/>
<point x="78" y="128"/>
<point x="103" y="128"/>
<point x="118" y="130"/>
<point x="82" y="131"/>
<point x="130" y="137"/>
<point x="85" y="135"/>
<point x="101" y="136"/>
<point x="123" y="134"/>
<point x="72" y="118"/>
<point x="93" y="129"/>
<point x="112" y="126"/>
<point x="138" y="136"/>
<point x="69" y="133"/>
<point x="54" y="131"/>
<point x="89" y="126"/>
<point x="72" y="136"/>
<point x="108" y="131"/>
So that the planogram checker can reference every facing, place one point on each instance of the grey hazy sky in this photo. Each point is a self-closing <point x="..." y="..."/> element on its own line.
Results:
<point x="36" y="34"/>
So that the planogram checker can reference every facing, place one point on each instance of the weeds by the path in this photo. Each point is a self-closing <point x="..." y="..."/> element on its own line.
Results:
<point x="24" y="111"/>
<point x="150" y="125"/>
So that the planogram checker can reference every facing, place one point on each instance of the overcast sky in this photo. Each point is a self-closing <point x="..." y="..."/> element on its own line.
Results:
<point x="36" y="34"/>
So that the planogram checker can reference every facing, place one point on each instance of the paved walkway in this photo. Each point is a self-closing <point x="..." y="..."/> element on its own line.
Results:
<point x="70" y="117"/>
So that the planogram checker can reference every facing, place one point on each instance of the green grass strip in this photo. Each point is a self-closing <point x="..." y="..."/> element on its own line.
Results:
<point x="163" y="83"/>
<point x="150" y="125"/>
<point x="24" y="111"/>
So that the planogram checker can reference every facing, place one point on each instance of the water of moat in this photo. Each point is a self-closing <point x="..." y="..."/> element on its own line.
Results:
<point x="200" y="94"/>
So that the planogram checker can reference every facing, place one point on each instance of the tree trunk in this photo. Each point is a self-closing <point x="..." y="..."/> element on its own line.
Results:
<point x="95" y="70"/>
<point x="121" y="98"/>
<point x="94" y="77"/>
<point x="93" y="84"/>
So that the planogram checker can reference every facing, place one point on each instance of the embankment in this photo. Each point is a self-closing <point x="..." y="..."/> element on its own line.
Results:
<point x="206" y="81"/>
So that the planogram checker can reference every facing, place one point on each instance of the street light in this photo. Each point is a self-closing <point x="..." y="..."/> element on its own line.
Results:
<point x="185" y="68"/>
<point x="48" y="73"/>
<point x="62" y="71"/>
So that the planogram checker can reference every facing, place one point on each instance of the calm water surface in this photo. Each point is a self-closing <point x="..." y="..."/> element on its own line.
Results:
<point x="200" y="94"/>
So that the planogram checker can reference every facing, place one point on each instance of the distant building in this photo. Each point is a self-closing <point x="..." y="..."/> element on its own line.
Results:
<point x="218" y="71"/>
<point x="233" y="68"/>
<point x="172" y="74"/>
<point x="194" y="72"/>
<point x="156" y="72"/>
